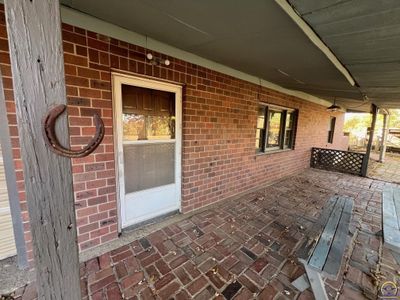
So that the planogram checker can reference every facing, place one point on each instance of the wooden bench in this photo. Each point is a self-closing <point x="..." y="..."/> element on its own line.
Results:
<point x="391" y="218"/>
<point x="322" y="252"/>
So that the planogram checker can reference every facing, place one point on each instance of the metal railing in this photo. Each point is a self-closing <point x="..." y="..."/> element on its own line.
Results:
<point x="338" y="160"/>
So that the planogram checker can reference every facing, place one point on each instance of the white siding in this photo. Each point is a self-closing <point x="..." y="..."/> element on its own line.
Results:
<point x="7" y="242"/>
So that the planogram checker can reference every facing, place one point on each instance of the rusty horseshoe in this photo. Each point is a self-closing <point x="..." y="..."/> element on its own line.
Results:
<point x="50" y="137"/>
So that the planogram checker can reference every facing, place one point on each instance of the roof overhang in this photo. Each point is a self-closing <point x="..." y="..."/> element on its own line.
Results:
<point x="365" y="37"/>
<point x="255" y="41"/>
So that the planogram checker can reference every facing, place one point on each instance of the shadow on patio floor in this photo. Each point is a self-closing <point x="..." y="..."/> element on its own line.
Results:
<point x="243" y="248"/>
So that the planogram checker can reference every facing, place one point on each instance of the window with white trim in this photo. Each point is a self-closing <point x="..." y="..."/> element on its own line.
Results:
<point x="276" y="128"/>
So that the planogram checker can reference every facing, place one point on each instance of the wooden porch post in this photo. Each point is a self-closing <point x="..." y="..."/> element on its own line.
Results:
<point x="364" y="170"/>
<point x="384" y="137"/>
<point x="34" y="29"/>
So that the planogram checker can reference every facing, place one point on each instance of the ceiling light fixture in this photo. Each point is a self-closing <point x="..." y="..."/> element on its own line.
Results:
<point x="156" y="60"/>
<point x="334" y="107"/>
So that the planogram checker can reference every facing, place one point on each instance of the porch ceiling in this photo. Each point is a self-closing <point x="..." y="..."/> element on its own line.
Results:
<point x="365" y="36"/>
<point x="261" y="39"/>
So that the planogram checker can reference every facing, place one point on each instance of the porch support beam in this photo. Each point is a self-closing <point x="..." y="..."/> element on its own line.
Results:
<point x="364" y="170"/>
<point x="384" y="137"/>
<point x="36" y="52"/>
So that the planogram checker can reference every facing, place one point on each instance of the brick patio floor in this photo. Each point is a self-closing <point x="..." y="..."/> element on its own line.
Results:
<point x="387" y="171"/>
<point x="243" y="248"/>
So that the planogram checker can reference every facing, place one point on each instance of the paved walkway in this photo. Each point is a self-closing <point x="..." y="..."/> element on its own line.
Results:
<point x="387" y="171"/>
<point x="243" y="249"/>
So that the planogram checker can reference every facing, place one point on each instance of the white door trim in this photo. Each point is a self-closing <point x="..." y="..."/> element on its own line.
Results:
<point x="117" y="80"/>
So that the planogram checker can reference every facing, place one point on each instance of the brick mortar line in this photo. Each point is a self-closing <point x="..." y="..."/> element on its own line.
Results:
<point x="130" y="236"/>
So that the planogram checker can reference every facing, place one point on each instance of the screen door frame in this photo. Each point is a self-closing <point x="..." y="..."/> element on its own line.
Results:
<point x="118" y="80"/>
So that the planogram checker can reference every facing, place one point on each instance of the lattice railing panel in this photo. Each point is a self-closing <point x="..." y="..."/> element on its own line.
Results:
<point x="337" y="160"/>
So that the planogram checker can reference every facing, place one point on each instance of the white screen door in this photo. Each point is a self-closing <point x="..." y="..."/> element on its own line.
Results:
<point x="147" y="120"/>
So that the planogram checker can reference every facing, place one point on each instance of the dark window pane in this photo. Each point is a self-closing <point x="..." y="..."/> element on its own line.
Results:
<point x="260" y="132"/>
<point x="274" y="128"/>
<point x="331" y="130"/>
<point x="288" y="139"/>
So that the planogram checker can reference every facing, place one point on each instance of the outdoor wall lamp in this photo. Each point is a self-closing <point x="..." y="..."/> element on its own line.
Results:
<point x="333" y="107"/>
<point x="157" y="60"/>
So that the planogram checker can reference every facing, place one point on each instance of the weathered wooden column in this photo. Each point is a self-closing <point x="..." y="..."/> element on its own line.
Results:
<point x="364" y="169"/>
<point x="34" y="30"/>
<point x="384" y="137"/>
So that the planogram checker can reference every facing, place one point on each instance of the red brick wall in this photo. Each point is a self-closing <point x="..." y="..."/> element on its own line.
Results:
<point x="219" y="118"/>
<point x="87" y="72"/>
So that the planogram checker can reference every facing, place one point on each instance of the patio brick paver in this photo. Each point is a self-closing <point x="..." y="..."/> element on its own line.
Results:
<point x="387" y="171"/>
<point x="243" y="248"/>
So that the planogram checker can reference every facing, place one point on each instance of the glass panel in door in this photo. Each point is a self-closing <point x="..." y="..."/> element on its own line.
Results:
<point x="148" y="120"/>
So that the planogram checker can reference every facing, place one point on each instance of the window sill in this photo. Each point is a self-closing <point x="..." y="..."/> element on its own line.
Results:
<point x="273" y="152"/>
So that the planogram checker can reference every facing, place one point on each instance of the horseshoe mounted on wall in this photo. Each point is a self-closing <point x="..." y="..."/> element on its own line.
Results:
<point x="50" y="137"/>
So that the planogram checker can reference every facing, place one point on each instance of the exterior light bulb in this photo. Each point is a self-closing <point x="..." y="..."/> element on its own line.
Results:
<point x="149" y="56"/>
<point x="167" y="62"/>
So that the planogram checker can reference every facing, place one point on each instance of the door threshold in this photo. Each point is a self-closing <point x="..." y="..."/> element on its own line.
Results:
<point x="151" y="221"/>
